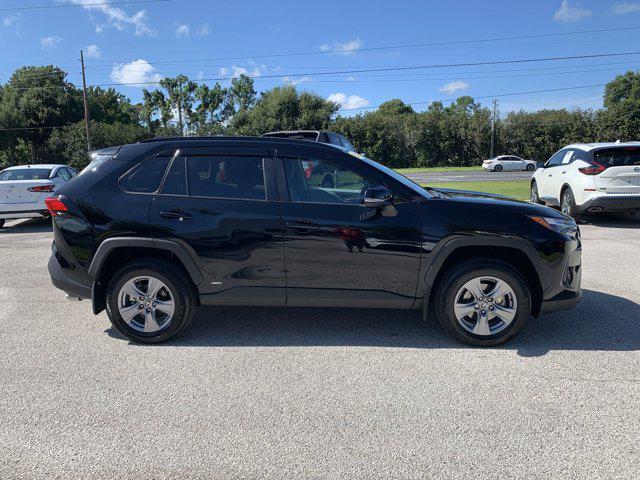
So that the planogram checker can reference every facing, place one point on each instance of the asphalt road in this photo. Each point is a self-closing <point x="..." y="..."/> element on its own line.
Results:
<point x="467" y="176"/>
<point x="272" y="393"/>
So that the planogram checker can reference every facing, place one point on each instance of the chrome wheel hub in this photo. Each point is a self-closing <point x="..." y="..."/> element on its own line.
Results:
<point x="146" y="304"/>
<point x="485" y="305"/>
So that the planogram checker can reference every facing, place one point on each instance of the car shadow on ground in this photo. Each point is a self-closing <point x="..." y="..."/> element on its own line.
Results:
<point x="32" y="225"/>
<point x="600" y="322"/>
<point x="612" y="221"/>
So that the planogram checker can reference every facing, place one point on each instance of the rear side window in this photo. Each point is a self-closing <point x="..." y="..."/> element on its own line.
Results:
<point x="146" y="176"/>
<point x="64" y="174"/>
<point x="618" y="157"/>
<point x="231" y="177"/>
<point x="26" y="174"/>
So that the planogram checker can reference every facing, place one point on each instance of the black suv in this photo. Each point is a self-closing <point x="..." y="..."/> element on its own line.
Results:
<point x="166" y="225"/>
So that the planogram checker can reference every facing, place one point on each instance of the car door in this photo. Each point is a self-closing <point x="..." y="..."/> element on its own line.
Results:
<point x="549" y="183"/>
<point x="337" y="251"/>
<point x="518" y="164"/>
<point x="219" y="203"/>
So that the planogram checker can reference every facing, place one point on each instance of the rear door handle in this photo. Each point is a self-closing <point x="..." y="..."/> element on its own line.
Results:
<point x="303" y="225"/>
<point x="176" y="214"/>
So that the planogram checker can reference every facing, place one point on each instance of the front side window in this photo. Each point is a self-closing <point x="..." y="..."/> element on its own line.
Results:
<point x="25" y="174"/>
<point x="347" y="144"/>
<point x="146" y="176"/>
<point x="231" y="177"/>
<point x="318" y="181"/>
<point x="556" y="159"/>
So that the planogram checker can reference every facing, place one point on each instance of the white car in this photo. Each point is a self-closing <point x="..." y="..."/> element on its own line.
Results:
<point x="590" y="178"/>
<point x="509" y="163"/>
<point x="24" y="188"/>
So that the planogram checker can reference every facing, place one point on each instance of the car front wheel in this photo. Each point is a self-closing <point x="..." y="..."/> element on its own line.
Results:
<point x="1" y="223"/>
<point x="530" y="168"/>
<point x="483" y="302"/>
<point x="149" y="301"/>
<point x="535" y="196"/>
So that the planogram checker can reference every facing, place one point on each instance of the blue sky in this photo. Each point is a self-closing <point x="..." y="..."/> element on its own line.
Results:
<point x="139" y="42"/>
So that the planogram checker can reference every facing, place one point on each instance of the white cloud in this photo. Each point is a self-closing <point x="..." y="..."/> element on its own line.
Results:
<point x="10" y="20"/>
<point x="625" y="7"/>
<point x="137" y="73"/>
<point x="203" y="30"/>
<point x="182" y="30"/>
<point x="348" y="102"/>
<point x="567" y="13"/>
<point x="454" y="87"/>
<point x="236" y="71"/>
<point x="117" y="18"/>
<point x="48" y="43"/>
<point x="93" y="51"/>
<point x="295" y="81"/>
<point x="346" y="48"/>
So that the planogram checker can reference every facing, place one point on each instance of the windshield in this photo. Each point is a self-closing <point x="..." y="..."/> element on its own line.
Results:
<point x="25" y="174"/>
<point x="395" y="175"/>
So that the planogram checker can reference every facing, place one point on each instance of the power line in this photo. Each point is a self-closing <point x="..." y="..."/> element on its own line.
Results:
<point x="395" y="47"/>
<point x="428" y="102"/>
<point x="67" y="5"/>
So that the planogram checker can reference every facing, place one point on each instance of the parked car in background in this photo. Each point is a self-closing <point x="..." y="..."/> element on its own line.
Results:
<point x="169" y="224"/>
<point x="23" y="189"/>
<point x="590" y="178"/>
<point x="509" y="163"/>
<point x="321" y="136"/>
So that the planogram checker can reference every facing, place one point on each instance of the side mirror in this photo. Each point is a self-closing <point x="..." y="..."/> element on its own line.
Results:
<point x="377" y="197"/>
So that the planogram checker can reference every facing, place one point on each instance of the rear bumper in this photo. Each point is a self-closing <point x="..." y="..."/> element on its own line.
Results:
<point x="611" y="203"/>
<point x="6" y="214"/>
<point x="563" y="301"/>
<point x="64" y="283"/>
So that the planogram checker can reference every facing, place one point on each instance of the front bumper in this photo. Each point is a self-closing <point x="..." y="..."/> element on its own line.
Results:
<point x="613" y="204"/>
<point x="563" y="301"/>
<point x="64" y="283"/>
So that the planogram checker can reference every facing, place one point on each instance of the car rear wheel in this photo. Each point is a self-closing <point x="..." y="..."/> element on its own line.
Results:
<point x="498" y="168"/>
<point x="568" y="204"/>
<point x="483" y="302"/>
<point x="149" y="301"/>
<point x="530" y="168"/>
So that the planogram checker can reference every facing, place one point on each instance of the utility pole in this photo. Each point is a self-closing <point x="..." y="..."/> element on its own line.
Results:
<point x="86" y="105"/>
<point x="493" y="127"/>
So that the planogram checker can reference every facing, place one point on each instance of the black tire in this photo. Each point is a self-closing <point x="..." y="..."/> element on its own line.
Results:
<point x="497" y="168"/>
<point x="178" y="285"/>
<point x="454" y="279"/>
<point x="534" y="196"/>
<point x="568" y="204"/>
<point x="530" y="168"/>
<point x="1" y="223"/>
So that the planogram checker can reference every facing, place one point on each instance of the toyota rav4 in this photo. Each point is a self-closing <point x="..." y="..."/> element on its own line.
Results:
<point x="166" y="225"/>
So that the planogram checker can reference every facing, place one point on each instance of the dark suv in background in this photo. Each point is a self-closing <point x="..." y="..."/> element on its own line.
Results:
<point x="321" y="136"/>
<point x="165" y="225"/>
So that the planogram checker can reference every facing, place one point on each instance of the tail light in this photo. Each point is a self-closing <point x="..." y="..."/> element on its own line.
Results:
<point x="41" y="189"/>
<point x="55" y="206"/>
<point x="593" y="169"/>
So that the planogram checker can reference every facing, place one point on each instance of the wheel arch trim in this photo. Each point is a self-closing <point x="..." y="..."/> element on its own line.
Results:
<point x="183" y="252"/>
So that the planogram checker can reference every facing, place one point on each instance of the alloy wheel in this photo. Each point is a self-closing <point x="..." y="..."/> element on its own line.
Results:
<point x="485" y="306"/>
<point x="146" y="304"/>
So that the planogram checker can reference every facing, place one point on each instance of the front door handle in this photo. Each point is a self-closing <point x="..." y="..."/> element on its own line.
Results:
<point x="176" y="214"/>
<point x="303" y="225"/>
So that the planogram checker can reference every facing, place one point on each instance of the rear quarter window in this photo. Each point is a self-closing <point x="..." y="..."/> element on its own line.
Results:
<point x="146" y="176"/>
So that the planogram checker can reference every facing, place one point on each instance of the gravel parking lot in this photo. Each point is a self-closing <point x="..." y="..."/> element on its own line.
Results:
<point x="331" y="393"/>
